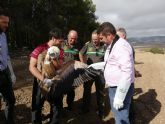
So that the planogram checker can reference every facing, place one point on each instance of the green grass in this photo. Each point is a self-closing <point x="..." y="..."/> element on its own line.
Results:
<point x="156" y="50"/>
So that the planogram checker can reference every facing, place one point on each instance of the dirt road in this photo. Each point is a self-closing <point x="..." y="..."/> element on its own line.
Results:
<point x="149" y="101"/>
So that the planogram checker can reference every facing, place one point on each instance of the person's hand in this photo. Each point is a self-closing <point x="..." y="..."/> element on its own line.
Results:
<point x="13" y="79"/>
<point x="48" y="82"/>
<point x="121" y="92"/>
<point x="117" y="103"/>
<point x="98" y="66"/>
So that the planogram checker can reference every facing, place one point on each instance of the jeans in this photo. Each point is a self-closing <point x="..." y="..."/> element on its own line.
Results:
<point x="8" y="94"/>
<point x="122" y="115"/>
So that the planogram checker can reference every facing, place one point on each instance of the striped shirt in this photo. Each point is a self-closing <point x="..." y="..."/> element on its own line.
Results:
<point x="44" y="47"/>
<point x="39" y="50"/>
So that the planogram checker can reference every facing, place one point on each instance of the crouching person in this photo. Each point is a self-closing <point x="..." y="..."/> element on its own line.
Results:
<point x="55" y="39"/>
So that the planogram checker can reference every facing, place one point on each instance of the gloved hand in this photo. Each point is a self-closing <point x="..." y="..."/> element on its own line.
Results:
<point x="48" y="82"/>
<point x="12" y="75"/>
<point x="121" y="93"/>
<point x="98" y="66"/>
<point x="117" y="103"/>
<point x="53" y="52"/>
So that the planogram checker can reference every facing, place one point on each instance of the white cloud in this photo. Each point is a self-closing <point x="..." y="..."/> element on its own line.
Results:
<point x="138" y="16"/>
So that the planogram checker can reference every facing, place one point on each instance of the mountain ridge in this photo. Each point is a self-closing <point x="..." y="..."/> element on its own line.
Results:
<point x="147" y="39"/>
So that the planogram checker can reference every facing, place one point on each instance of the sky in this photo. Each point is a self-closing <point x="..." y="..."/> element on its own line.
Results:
<point x="139" y="17"/>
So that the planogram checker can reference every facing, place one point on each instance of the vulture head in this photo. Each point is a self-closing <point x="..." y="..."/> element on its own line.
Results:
<point x="51" y="62"/>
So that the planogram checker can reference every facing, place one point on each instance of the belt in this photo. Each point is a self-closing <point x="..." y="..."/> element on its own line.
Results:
<point x="113" y="86"/>
<point x="116" y="86"/>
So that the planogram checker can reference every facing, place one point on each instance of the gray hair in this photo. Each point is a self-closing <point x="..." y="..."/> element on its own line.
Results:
<point x="122" y="30"/>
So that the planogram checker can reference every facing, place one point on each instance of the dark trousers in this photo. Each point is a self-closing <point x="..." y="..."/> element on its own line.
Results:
<point x="37" y="103"/>
<point x="70" y="98"/>
<point x="7" y="91"/>
<point x="100" y="85"/>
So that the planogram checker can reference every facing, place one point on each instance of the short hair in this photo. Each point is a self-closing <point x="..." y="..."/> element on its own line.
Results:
<point x="94" y="32"/>
<point x="56" y="33"/>
<point x="122" y="30"/>
<point x="106" y="28"/>
<point x="4" y="11"/>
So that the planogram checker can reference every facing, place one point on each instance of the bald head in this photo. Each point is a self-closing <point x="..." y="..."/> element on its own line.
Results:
<point x="72" y="37"/>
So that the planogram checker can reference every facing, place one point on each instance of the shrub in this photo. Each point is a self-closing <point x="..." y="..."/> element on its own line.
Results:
<point x="156" y="50"/>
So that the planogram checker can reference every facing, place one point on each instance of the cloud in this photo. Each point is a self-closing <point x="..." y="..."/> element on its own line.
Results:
<point x="145" y="17"/>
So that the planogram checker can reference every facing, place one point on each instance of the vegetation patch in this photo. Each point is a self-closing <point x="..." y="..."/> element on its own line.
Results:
<point x="156" y="50"/>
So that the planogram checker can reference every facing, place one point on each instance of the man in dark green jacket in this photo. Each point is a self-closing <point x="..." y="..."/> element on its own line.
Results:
<point x="71" y="52"/>
<point x="91" y="53"/>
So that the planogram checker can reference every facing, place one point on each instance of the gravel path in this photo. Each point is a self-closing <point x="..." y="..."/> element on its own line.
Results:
<point x="149" y="102"/>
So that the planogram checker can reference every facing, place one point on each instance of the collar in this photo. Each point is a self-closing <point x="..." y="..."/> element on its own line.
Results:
<point x="116" y="38"/>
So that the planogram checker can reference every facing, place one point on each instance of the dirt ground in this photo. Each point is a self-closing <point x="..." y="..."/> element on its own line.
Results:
<point x="149" y="102"/>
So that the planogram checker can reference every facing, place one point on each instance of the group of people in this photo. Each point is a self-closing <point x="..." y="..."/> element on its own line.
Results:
<point x="70" y="49"/>
<point x="106" y="51"/>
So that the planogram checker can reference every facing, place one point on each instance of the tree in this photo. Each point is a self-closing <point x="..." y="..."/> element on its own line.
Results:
<point x="31" y="20"/>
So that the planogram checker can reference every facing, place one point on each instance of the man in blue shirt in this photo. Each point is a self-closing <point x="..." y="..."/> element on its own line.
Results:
<point x="7" y="77"/>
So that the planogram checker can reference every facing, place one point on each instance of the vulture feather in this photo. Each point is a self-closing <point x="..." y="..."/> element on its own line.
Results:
<point x="65" y="77"/>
